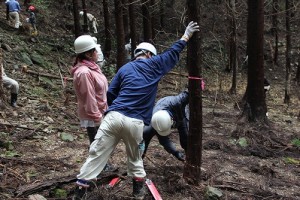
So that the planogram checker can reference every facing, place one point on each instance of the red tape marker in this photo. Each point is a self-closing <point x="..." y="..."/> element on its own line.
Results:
<point x="113" y="182"/>
<point x="153" y="189"/>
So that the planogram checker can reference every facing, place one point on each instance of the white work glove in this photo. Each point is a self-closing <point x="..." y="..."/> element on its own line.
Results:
<point x="190" y="29"/>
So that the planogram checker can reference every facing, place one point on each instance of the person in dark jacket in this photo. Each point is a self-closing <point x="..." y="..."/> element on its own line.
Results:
<point x="169" y="112"/>
<point x="131" y="98"/>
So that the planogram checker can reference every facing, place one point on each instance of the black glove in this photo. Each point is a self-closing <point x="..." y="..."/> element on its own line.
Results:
<point x="180" y="156"/>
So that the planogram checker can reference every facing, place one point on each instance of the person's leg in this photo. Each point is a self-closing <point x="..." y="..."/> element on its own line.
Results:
<point x="133" y="139"/>
<point x="100" y="150"/>
<point x="148" y="134"/>
<point x="14" y="89"/>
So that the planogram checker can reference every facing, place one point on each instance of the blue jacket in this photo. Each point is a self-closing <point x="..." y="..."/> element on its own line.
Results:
<point x="175" y="105"/>
<point x="13" y="6"/>
<point x="133" y="89"/>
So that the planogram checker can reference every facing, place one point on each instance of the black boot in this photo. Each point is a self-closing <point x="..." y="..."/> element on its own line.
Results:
<point x="13" y="99"/>
<point x="138" y="188"/>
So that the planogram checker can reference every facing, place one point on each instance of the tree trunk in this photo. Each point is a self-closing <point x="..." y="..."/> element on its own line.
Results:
<point x="125" y="18"/>
<point x="297" y="78"/>
<point x="147" y="28"/>
<point x="162" y="13"/>
<point x="232" y="41"/>
<point x="1" y="80"/>
<point x="192" y="168"/>
<point x="275" y="29"/>
<point x="132" y="23"/>
<point x="255" y="107"/>
<point x="76" y="19"/>
<point x="120" y="34"/>
<point x="287" y="91"/>
<point x="85" y="20"/>
<point x="107" y="43"/>
<point x="154" y="19"/>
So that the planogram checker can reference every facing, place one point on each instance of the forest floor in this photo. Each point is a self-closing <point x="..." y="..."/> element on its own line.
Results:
<point x="42" y="147"/>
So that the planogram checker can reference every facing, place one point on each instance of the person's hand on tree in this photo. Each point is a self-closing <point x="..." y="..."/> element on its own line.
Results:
<point x="189" y="31"/>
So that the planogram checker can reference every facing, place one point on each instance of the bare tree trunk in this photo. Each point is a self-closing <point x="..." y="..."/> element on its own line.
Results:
<point x="147" y="28"/>
<point x="287" y="91"/>
<point x="85" y="20"/>
<point x="297" y="78"/>
<point x="162" y="13"/>
<point x="132" y="18"/>
<point x="192" y="168"/>
<point x="125" y="18"/>
<point x="76" y="18"/>
<point x="232" y="57"/>
<point x="255" y="108"/>
<point x="1" y="79"/>
<point x="107" y="43"/>
<point x="120" y="34"/>
<point x="154" y="19"/>
<point x="275" y="29"/>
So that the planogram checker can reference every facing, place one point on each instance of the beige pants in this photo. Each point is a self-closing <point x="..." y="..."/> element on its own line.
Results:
<point x="16" y="18"/>
<point x="11" y="84"/>
<point x="114" y="128"/>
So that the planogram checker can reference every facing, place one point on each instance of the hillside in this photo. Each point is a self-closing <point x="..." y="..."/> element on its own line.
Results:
<point x="42" y="147"/>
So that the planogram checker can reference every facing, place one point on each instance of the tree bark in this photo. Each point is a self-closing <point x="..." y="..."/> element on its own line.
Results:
<point x="147" y="28"/>
<point x="255" y="107"/>
<point x="232" y="45"/>
<point x="287" y="92"/>
<point x="85" y="20"/>
<point x="76" y="19"/>
<point x="275" y="29"/>
<point x="132" y="23"/>
<point x="192" y="168"/>
<point x="120" y="33"/>
<point x="107" y="43"/>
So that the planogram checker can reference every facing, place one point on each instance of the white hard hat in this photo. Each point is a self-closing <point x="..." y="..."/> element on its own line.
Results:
<point x="95" y="39"/>
<point x="162" y="122"/>
<point x="81" y="12"/>
<point x="144" y="46"/>
<point x="84" y="43"/>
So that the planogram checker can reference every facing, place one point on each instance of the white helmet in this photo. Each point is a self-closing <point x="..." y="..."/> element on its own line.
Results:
<point x="84" y="43"/>
<point x="144" y="46"/>
<point x="81" y="12"/>
<point x="162" y="122"/>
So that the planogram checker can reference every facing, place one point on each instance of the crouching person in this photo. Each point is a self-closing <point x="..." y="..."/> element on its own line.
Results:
<point x="169" y="112"/>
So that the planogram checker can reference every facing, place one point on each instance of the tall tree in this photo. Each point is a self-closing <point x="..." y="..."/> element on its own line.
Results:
<point x="1" y="80"/>
<point x="120" y="33"/>
<point x="76" y="18"/>
<point x="232" y="44"/>
<point x="132" y="24"/>
<point x="107" y="43"/>
<point x="125" y="18"/>
<point x="85" y="20"/>
<point x="192" y="168"/>
<point x="287" y="91"/>
<point x="275" y="29"/>
<point x="147" y="27"/>
<point x="255" y="106"/>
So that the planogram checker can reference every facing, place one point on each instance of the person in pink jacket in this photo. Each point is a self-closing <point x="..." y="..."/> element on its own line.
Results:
<point x="90" y="85"/>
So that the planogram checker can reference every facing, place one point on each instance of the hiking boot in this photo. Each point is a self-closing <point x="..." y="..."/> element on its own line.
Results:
<point x="80" y="193"/>
<point x="13" y="100"/>
<point x="138" y="188"/>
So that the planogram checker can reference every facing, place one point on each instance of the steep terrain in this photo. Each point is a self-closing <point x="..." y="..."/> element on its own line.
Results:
<point x="42" y="146"/>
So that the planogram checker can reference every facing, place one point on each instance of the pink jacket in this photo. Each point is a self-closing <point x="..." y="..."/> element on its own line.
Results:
<point x="91" y="87"/>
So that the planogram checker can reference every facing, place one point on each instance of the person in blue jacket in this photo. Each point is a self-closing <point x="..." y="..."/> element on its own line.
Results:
<point x="131" y="98"/>
<point x="169" y="112"/>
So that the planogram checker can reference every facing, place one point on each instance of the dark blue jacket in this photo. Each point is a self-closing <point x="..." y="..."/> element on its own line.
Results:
<point x="13" y="6"/>
<point x="133" y="89"/>
<point x="175" y="105"/>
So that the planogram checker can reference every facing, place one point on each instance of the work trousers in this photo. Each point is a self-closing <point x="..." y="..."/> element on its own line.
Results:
<point x="114" y="128"/>
<point x="16" y="18"/>
<point x="11" y="84"/>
